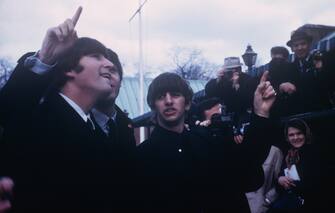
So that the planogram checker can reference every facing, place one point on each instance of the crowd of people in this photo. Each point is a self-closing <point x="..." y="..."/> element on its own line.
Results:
<point x="66" y="145"/>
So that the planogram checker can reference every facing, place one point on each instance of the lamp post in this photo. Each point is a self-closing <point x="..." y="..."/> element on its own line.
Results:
<point x="249" y="58"/>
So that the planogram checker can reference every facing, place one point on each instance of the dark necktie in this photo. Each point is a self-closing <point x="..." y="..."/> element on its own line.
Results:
<point x="112" y="130"/>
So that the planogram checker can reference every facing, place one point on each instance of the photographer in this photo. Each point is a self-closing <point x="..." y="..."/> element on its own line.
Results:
<point x="233" y="87"/>
<point x="210" y="112"/>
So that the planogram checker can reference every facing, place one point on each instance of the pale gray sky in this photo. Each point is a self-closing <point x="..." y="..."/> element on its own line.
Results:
<point x="219" y="28"/>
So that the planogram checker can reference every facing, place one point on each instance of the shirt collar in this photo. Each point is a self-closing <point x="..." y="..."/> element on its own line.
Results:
<point x="76" y="107"/>
<point x="102" y="119"/>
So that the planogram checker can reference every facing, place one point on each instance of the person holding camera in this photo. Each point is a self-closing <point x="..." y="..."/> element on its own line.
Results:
<point x="235" y="90"/>
<point x="233" y="87"/>
<point x="210" y="112"/>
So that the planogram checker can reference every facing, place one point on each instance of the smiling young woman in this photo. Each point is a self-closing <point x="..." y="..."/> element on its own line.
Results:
<point x="299" y="183"/>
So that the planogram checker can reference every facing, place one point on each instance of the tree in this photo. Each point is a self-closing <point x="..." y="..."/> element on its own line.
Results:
<point x="6" y="69"/>
<point x="190" y="64"/>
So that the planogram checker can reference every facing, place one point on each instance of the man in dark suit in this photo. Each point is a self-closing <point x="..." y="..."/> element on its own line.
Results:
<point x="177" y="174"/>
<point x="118" y="132"/>
<point x="65" y="162"/>
<point x="171" y="161"/>
<point x="314" y="81"/>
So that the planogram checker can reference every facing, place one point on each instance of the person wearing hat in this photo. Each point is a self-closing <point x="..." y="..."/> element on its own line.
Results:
<point x="300" y="44"/>
<point x="233" y="87"/>
<point x="313" y="82"/>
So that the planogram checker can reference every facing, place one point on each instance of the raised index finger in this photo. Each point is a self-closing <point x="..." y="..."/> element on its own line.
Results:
<point x="76" y="16"/>
<point x="264" y="77"/>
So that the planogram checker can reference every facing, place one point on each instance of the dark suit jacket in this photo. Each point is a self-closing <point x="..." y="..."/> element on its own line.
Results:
<point x="313" y="87"/>
<point x="55" y="123"/>
<point x="172" y="168"/>
<point x="122" y="153"/>
<point x="57" y="162"/>
<point x="235" y="169"/>
<point x="22" y="92"/>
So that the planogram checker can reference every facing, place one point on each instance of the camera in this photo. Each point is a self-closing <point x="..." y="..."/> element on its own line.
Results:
<point x="222" y="125"/>
<point x="222" y="121"/>
<point x="317" y="56"/>
<point x="230" y="124"/>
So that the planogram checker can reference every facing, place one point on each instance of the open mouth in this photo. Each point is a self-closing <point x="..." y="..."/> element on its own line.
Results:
<point x="106" y="75"/>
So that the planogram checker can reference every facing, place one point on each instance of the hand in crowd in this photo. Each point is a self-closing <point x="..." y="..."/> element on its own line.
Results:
<point x="287" y="87"/>
<point x="203" y="123"/>
<point x="264" y="97"/>
<point x="317" y="64"/>
<point x="238" y="139"/>
<point x="286" y="182"/>
<point x="6" y="188"/>
<point x="220" y="74"/>
<point x="58" y="39"/>
<point x="235" y="80"/>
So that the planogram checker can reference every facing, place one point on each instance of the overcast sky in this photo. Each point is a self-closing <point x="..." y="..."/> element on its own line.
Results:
<point x="219" y="28"/>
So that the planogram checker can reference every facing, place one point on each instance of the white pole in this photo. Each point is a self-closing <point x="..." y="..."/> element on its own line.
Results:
<point x="140" y="63"/>
<point x="140" y="68"/>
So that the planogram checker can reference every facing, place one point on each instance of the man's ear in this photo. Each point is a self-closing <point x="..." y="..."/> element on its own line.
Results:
<point x="70" y="74"/>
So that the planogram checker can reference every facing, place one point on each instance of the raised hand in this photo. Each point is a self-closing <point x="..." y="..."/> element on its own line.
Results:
<point x="235" y="80"/>
<point x="58" y="39"/>
<point x="264" y="97"/>
<point x="220" y="75"/>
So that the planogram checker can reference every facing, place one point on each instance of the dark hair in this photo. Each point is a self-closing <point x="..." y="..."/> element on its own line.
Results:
<point x="168" y="82"/>
<point x="280" y="50"/>
<point x="70" y="59"/>
<point x="299" y="35"/>
<point x="113" y="57"/>
<point x="302" y="126"/>
<point x="206" y="104"/>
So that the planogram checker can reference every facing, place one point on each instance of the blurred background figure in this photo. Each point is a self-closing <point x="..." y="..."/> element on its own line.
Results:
<point x="314" y="83"/>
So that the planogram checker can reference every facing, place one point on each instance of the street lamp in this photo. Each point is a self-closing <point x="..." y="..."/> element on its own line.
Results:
<point x="249" y="58"/>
